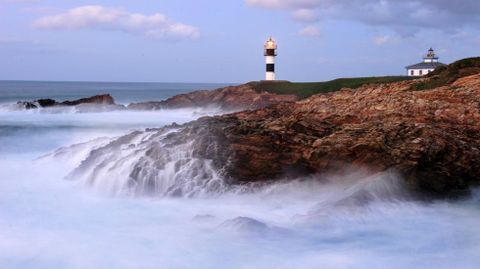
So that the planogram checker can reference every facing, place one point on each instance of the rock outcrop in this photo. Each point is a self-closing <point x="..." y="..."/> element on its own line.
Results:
<point x="430" y="137"/>
<point x="231" y="98"/>
<point x="427" y="130"/>
<point x="103" y="99"/>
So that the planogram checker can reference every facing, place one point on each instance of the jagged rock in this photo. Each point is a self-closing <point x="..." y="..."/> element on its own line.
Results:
<point x="103" y="99"/>
<point x="228" y="98"/>
<point x="46" y="102"/>
<point x="232" y="98"/>
<point x="431" y="137"/>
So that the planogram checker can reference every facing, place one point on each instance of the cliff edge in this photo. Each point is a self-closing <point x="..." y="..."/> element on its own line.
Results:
<point x="431" y="137"/>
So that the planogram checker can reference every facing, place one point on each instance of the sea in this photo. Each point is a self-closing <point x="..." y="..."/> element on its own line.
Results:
<point x="67" y="200"/>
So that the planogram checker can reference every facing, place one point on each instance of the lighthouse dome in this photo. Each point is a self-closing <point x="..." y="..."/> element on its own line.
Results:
<point x="270" y="44"/>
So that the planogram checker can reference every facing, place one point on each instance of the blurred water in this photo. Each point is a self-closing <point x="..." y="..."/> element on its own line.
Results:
<point x="354" y="221"/>
<point x="123" y="92"/>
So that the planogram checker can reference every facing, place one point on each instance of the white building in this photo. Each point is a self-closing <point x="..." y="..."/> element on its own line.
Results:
<point x="430" y="63"/>
<point x="270" y="52"/>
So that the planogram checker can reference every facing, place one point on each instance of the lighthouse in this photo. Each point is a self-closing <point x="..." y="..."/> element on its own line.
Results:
<point x="270" y="52"/>
<point x="429" y="64"/>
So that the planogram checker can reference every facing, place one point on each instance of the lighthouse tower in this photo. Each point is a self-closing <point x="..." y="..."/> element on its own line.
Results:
<point x="270" y="53"/>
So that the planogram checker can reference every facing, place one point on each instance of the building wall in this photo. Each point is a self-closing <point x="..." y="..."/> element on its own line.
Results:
<point x="418" y="72"/>
<point x="270" y="76"/>
<point x="270" y="59"/>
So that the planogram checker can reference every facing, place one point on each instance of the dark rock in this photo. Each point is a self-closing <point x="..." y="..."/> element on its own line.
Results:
<point x="104" y="99"/>
<point x="46" y="102"/>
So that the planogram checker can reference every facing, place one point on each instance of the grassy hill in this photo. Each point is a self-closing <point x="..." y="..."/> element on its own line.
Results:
<point x="306" y="89"/>
<point x="445" y="75"/>
<point x="440" y="77"/>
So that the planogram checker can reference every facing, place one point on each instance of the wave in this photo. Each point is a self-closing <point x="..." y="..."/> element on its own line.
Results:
<point x="13" y="107"/>
<point x="146" y="163"/>
<point x="162" y="162"/>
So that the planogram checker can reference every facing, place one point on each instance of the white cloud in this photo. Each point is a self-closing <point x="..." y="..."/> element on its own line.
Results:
<point x="305" y="15"/>
<point x="384" y="40"/>
<point x="116" y="19"/>
<point x="309" y="31"/>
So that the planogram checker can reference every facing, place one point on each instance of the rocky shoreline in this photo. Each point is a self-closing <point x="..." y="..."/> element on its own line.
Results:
<point x="233" y="98"/>
<point x="431" y="138"/>
<point x="427" y="130"/>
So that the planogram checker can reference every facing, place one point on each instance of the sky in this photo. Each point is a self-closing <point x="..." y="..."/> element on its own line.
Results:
<point x="222" y="41"/>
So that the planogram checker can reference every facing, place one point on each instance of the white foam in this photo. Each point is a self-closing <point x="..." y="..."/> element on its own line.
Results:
<point x="352" y="221"/>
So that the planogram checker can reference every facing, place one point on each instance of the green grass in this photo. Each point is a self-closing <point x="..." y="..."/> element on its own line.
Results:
<point x="440" y="77"/>
<point x="306" y="89"/>
<point x="445" y="75"/>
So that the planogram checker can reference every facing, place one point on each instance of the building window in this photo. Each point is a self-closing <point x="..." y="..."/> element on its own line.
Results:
<point x="412" y="73"/>
<point x="420" y="72"/>
<point x="270" y="68"/>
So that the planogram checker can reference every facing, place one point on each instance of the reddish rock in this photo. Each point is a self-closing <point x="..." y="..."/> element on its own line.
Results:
<point x="104" y="99"/>
<point x="431" y="137"/>
<point x="228" y="98"/>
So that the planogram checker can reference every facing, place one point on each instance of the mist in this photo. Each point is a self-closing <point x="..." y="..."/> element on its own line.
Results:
<point x="51" y="218"/>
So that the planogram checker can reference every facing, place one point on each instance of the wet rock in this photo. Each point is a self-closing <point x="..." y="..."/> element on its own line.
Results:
<point x="244" y="226"/>
<point x="46" y="102"/>
<point x="431" y="137"/>
<point x="232" y="98"/>
<point x="103" y="99"/>
<point x="26" y="105"/>
<point x="228" y="98"/>
<point x="358" y="199"/>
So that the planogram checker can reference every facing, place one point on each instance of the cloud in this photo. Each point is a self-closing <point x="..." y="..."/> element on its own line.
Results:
<point x="156" y="26"/>
<point x="403" y="16"/>
<point x="384" y="40"/>
<point x="305" y="15"/>
<point x="309" y="31"/>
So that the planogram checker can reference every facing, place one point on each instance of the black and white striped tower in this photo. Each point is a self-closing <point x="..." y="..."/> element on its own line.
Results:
<point x="270" y="53"/>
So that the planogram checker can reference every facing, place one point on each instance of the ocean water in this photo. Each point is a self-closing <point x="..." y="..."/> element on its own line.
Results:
<point x="123" y="92"/>
<point x="67" y="200"/>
